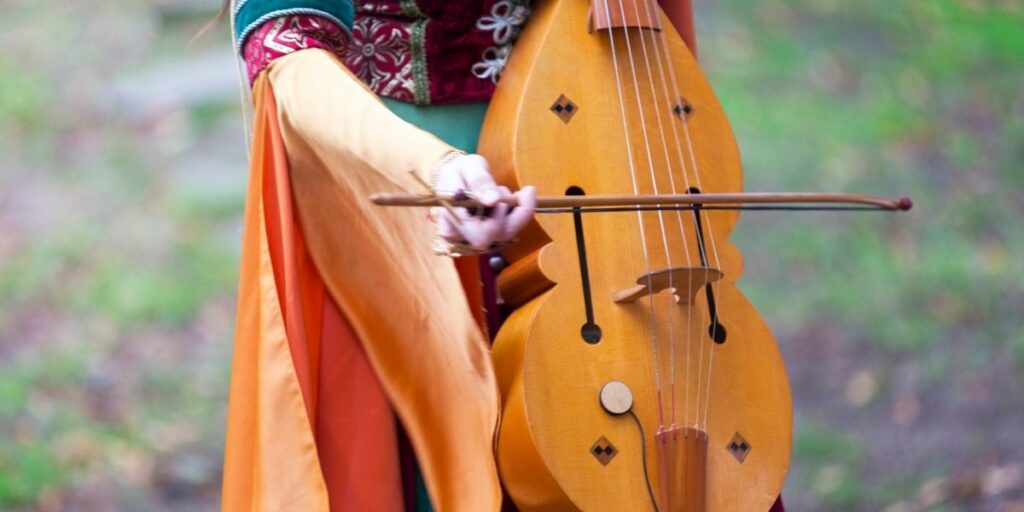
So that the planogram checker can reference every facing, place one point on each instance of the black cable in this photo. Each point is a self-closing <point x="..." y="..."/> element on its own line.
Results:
<point x="643" y="457"/>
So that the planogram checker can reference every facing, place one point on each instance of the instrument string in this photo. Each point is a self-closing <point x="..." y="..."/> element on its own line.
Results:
<point x="660" y="216"/>
<point x="669" y="102"/>
<point x="673" y="103"/>
<point x="716" y="287"/>
<point x="636" y="191"/>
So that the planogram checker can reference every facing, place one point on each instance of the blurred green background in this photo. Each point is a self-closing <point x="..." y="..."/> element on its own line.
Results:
<point x="122" y="173"/>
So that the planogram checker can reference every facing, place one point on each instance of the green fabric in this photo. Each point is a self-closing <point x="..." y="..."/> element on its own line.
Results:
<point x="422" y="498"/>
<point x="254" y="12"/>
<point x="457" y="124"/>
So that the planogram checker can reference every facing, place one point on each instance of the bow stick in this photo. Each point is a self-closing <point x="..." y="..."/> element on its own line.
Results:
<point x="611" y="203"/>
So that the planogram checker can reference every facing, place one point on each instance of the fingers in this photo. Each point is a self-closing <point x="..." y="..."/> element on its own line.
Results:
<point x="522" y="213"/>
<point x="446" y="225"/>
<point x="477" y="176"/>
<point x="472" y="174"/>
<point x="480" y="232"/>
<point x="449" y="179"/>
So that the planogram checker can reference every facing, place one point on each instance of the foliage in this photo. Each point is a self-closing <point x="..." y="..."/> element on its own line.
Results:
<point x="120" y="203"/>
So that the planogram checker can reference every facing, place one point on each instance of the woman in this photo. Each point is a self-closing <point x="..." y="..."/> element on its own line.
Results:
<point x="346" y="320"/>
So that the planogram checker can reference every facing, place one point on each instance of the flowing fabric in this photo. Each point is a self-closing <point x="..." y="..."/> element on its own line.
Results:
<point x="309" y="423"/>
<point x="271" y="460"/>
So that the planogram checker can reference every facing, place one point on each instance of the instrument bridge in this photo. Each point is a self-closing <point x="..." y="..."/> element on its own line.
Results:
<point x="684" y="282"/>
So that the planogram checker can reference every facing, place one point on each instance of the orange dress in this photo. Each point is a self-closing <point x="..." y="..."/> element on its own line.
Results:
<point x="309" y="422"/>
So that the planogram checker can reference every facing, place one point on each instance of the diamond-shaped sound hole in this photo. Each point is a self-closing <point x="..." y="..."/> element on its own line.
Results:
<point x="564" y="108"/>
<point x="681" y="108"/>
<point x="604" y="451"/>
<point x="739" y="447"/>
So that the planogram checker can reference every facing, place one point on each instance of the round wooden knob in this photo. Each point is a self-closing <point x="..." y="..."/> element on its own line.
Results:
<point x="616" y="397"/>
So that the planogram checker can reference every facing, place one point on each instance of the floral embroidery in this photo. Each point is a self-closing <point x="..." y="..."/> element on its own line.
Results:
<point x="506" y="20"/>
<point x="287" y="34"/>
<point x="493" y="63"/>
<point x="380" y="56"/>
<point x="420" y="51"/>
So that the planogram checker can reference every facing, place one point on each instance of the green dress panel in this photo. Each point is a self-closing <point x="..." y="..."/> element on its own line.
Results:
<point x="457" y="124"/>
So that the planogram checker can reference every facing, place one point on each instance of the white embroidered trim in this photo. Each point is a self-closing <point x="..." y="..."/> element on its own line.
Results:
<point x="238" y="7"/>
<point x="494" y="60"/>
<point x="506" y="20"/>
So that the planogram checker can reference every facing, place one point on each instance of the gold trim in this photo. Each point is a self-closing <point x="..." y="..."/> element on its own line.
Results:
<point x="409" y="8"/>
<point x="421" y="81"/>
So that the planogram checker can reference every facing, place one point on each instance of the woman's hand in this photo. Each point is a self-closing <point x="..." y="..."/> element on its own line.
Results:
<point x="470" y="173"/>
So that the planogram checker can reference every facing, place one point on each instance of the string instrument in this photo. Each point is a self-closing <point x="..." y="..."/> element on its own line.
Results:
<point x="635" y="375"/>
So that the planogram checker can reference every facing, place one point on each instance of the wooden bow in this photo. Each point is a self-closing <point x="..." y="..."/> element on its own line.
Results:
<point x="732" y="201"/>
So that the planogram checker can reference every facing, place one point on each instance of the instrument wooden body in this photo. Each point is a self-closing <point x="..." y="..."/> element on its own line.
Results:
<point x="550" y="450"/>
